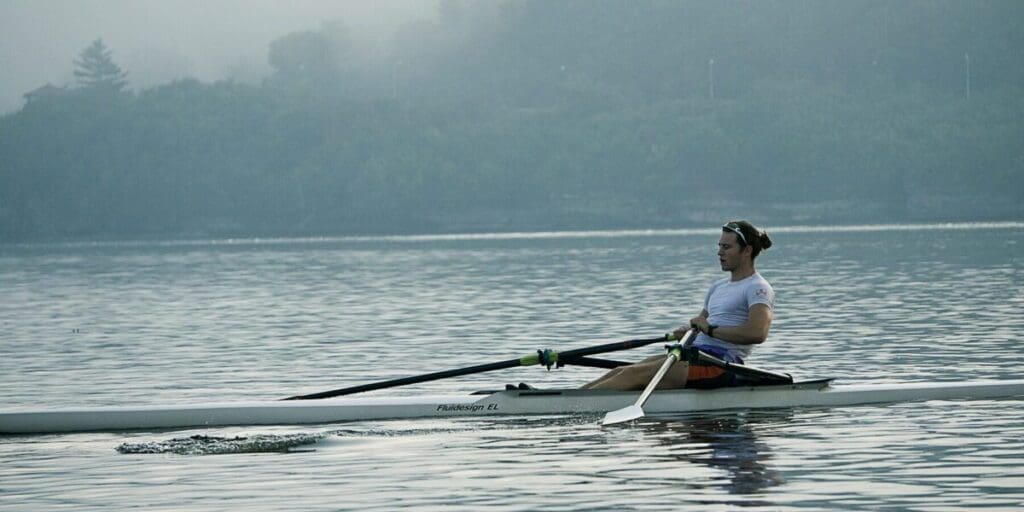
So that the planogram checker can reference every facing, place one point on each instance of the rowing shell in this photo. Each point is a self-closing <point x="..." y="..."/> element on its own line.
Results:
<point x="819" y="393"/>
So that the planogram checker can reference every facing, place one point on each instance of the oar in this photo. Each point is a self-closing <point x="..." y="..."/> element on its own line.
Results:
<point x="636" y="410"/>
<point x="592" y="362"/>
<point x="545" y="357"/>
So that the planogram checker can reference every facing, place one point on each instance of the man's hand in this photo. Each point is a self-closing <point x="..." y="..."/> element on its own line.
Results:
<point x="700" y="322"/>
<point x="679" y="333"/>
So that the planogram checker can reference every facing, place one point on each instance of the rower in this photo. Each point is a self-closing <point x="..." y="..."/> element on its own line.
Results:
<point x="737" y="315"/>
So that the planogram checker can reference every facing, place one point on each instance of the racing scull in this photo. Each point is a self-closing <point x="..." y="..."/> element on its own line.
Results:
<point x="758" y="389"/>
<point x="818" y="393"/>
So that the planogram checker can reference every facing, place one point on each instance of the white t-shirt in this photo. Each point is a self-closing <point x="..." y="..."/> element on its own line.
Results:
<point x="728" y="304"/>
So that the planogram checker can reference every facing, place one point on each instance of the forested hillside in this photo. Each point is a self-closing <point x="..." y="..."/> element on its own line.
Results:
<point x="546" y="115"/>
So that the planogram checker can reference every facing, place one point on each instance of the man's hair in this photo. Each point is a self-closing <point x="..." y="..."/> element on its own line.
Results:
<point x="752" y="235"/>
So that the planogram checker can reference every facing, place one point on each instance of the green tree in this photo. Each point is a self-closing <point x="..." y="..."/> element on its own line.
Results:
<point x="95" y="69"/>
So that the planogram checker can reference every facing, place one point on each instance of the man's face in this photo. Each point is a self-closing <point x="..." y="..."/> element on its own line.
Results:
<point x="730" y="253"/>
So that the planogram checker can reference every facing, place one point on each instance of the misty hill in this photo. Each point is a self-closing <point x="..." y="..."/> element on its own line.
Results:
<point x="547" y="115"/>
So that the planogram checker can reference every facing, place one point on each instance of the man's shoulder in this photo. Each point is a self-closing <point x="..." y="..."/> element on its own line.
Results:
<point x="760" y="291"/>
<point x="759" y="280"/>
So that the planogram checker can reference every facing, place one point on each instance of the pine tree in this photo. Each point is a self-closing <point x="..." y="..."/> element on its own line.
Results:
<point x="95" y="69"/>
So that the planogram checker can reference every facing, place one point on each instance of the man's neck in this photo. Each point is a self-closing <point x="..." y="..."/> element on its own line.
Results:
<point x="742" y="273"/>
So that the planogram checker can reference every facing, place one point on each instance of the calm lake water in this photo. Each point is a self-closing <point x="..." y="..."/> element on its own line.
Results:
<point x="193" y="321"/>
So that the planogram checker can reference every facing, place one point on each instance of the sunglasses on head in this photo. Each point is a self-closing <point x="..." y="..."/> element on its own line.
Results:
<point x="735" y="228"/>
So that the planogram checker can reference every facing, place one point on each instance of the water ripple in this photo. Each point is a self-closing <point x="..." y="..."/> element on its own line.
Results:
<point x="135" y="323"/>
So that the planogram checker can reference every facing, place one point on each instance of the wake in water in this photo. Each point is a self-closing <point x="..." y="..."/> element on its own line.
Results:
<point x="281" y="443"/>
<point x="214" y="445"/>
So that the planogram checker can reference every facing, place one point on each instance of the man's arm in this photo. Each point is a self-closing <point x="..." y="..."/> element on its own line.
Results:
<point x="753" y="332"/>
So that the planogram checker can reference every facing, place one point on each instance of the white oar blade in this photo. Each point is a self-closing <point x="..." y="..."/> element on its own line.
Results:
<point x="623" y="415"/>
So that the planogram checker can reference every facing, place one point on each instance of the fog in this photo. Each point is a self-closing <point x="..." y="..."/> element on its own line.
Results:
<point x="159" y="40"/>
<point x="507" y="115"/>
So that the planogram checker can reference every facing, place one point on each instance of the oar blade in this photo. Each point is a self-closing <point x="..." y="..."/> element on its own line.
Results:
<point x="633" y="412"/>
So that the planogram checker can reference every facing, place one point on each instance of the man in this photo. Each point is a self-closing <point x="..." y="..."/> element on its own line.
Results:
<point x="737" y="315"/>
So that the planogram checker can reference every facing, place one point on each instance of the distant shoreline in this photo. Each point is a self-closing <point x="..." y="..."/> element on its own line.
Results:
<point x="514" y="235"/>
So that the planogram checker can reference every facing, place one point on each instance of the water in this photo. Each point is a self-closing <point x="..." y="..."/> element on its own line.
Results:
<point x="181" y="322"/>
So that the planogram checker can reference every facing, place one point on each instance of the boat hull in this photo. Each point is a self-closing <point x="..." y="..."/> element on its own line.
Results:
<point x="500" y="403"/>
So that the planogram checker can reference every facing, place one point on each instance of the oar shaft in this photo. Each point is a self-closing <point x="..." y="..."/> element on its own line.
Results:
<point x="592" y="362"/>
<point x="673" y="356"/>
<point x="636" y="410"/>
<point x="529" y="360"/>
<point x="404" y="381"/>
<point x="613" y="347"/>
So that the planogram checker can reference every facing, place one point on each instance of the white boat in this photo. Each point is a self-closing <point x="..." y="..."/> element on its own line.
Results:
<point x="819" y="393"/>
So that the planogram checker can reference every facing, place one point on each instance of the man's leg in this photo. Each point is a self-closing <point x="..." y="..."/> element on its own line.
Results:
<point x="635" y="377"/>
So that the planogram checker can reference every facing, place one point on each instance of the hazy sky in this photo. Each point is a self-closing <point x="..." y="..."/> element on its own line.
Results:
<point x="158" y="40"/>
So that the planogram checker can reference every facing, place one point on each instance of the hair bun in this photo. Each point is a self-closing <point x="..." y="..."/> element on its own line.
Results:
<point x="766" y="242"/>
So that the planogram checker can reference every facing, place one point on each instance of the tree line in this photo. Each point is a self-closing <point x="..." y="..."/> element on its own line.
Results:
<point x="545" y="115"/>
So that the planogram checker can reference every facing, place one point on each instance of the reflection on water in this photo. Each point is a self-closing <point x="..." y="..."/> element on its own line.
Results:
<point x="726" y="442"/>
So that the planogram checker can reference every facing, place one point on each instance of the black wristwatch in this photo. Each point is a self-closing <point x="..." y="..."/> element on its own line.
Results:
<point x="711" y="330"/>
